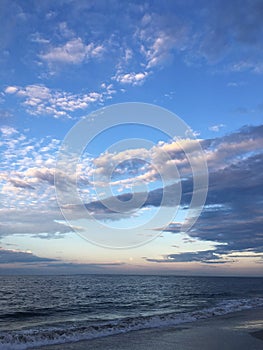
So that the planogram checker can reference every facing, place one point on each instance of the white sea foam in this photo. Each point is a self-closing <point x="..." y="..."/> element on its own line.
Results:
<point x="25" y="339"/>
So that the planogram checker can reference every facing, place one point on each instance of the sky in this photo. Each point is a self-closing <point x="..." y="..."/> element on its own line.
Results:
<point x="96" y="174"/>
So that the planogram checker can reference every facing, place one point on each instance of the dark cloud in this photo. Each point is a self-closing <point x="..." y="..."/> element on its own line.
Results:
<point x="33" y="222"/>
<point x="232" y="175"/>
<point x="233" y="214"/>
<point x="21" y="184"/>
<point x="213" y="30"/>
<point x="19" y="262"/>
<point x="232" y="217"/>
<point x="247" y="132"/>
<point x="231" y="26"/>
<point x="207" y="257"/>
<point x="47" y="175"/>
<point x="74" y="266"/>
<point x="14" y="256"/>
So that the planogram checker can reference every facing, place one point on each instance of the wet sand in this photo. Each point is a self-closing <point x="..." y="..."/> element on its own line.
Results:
<point x="236" y="331"/>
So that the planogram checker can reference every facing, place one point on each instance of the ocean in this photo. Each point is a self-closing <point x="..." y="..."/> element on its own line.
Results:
<point x="42" y="310"/>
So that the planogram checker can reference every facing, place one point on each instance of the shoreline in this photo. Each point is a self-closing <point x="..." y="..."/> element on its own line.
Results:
<point x="239" y="330"/>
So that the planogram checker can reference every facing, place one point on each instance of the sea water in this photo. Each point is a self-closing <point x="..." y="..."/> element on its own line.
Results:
<point x="41" y="310"/>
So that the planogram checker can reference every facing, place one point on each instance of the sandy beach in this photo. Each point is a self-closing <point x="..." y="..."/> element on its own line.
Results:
<point x="241" y="331"/>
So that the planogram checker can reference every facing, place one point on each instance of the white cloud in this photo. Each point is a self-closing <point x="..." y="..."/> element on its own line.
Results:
<point x="65" y="31"/>
<point x="131" y="78"/>
<point x="8" y="130"/>
<point x="37" y="38"/>
<point x="217" y="127"/>
<point x="40" y="100"/>
<point x="253" y="66"/>
<point x="155" y="46"/>
<point x="236" y="84"/>
<point x="72" y="52"/>
<point x="143" y="165"/>
<point x="27" y="175"/>
<point x="37" y="92"/>
<point x="159" y="51"/>
<point x="11" y="89"/>
<point x="229" y="152"/>
<point x="128" y="55"/>
<point x="164" y="158"/>
<point x="159" y="40"/>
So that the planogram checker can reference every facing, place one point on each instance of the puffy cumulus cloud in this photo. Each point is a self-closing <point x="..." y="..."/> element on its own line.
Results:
<point x="8" y="131"/>
<point x="110" y="160"/>
<point x="11" y="89"/>
<point x="20" y="153"/>
<point x="144" y="165"/>
<point x="170" y="161"/>
<point x="164" y="158"/>
<point x="35" y="186"/>
<point x="8" y="256"/>
<point x="73" y="51"/>
<point x="131" y="78"/>
<point x="36" y="164"/>
<point x="27" y="170"/>
<point x="28" y="202"/>
<point x="41" y="100"/>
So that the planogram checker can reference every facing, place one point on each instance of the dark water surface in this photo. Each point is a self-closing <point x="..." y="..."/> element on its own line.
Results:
<point x="38" y="310"/>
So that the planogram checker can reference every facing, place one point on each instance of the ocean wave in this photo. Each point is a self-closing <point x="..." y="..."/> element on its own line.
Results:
<point x="34" y="337"/>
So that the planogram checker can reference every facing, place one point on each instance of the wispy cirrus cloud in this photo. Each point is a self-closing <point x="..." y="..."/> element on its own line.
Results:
<point x="160" y="37"/>
<point x="254" y="66"/>
<point x="143" y="38"/>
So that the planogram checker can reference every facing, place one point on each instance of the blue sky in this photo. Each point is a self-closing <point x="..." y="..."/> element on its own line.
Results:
<point x="61" y="61"/>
